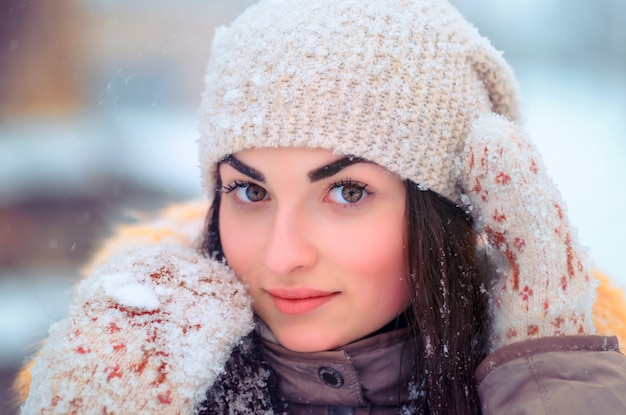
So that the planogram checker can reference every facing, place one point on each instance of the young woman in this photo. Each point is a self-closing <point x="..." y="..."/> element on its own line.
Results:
<point x="382" y="239"/>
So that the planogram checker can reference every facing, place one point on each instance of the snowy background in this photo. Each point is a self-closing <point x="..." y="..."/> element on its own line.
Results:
<point x="98" y="121"/>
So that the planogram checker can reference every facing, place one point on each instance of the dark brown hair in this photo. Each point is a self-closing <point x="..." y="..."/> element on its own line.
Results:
<point x="447" y="312"/>
<point x="448" y="307"/>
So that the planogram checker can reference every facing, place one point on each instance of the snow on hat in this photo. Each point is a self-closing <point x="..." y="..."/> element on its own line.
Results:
<point x="397" y="82"/>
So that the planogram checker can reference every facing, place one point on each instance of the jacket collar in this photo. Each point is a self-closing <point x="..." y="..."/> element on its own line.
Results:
<point x="373" y="371"/>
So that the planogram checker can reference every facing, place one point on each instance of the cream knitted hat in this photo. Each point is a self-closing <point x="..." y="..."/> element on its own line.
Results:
<point x="397" y="82"/>
<point x="413" y="87"/>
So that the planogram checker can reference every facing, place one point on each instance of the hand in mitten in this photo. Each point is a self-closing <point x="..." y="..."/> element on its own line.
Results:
<point x="545" y="288"/>
<point x="146" y="334"/>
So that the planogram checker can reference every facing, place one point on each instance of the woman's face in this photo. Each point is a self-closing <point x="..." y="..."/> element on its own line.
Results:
<point x="319" y="240"/>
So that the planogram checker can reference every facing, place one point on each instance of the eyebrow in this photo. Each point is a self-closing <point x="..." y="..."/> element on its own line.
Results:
<point x="243" y="168"/>
<point x="335" y="167"/>
<point x="320" y="173"/>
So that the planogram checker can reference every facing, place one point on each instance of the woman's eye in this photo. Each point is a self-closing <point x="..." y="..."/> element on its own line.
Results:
<point x="246" y="192"/>
<point x="251" y="193"/>
<point x="347" y="193"/>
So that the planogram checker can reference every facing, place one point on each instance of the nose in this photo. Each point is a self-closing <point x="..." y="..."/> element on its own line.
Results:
<point x="289" y="245"/>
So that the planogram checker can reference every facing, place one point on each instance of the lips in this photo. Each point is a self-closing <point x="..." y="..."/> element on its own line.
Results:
<point x="300" y="300"/>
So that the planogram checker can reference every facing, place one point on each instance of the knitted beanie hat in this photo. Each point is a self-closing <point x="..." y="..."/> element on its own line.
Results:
<point x="396" y="82"/>
<point x="413" y="87"/>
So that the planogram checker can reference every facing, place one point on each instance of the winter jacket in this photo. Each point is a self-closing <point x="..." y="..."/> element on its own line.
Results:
<point x="219" y="365"/>
<point x="556" y="375"/>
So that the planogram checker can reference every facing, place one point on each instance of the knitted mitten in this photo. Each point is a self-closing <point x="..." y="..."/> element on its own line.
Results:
<point x="544" y="286"/>
<point x="148" y="333"/>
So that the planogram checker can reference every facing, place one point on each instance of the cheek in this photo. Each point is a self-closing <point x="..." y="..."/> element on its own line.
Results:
<point x="378" y="268"/>
<point x="375" y="256"/>
<point x="238" y="243"/>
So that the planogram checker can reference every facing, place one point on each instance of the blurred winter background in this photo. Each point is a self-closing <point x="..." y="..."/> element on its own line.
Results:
<point x="98" y="106"/>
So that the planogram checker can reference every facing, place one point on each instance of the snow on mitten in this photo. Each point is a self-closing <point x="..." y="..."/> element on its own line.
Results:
<point x="148" y="333"/>
<point x="545" y="288"/>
